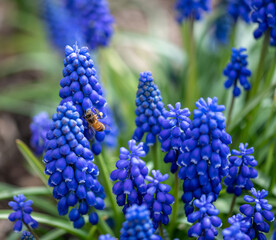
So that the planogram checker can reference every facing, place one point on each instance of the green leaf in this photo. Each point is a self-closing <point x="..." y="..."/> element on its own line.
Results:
<point x="35" y="164"/>
<point x="54" y="234"/>
<point x="28" y="191"/>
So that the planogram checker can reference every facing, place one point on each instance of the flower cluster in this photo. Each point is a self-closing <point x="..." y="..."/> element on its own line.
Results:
<point x="257" y="213"/>
<point x="69" y="162"/>
<point x="237" y="230"/>
<point x="158" y="199"/>
<point x="205" y="151"/>
<point x="149" y="109"/>
<point x="39" y="128"/>
<point x="22" y="213"/>
<point x="106" y="237"/>
<point x="191" y="9"/>
<point x="80" y="85"/>
<point x="130" y="173"/>
<point x="239" y="9"/>
<point x="241" y="170"/>
<point x="94" y="20"/>
<point x="206" y="217"/>
<point x="27" y="236"/>
<point x="237" y="70"/>
<point x="138" y="224"/>
<point x="175" y="124"/>
<point x="264" y="14"/>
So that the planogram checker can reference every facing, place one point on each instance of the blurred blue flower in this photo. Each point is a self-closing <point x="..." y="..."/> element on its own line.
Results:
<point x="264" y="13"/>
<point x="237" y="70"/>
<point x="130" y="173"/>
<point x="175" y="124"/>
<point x="205" y="151"/>
<point x="22" y="213"/>
<point x="239" y="9"/>
<point x="158" y="199"/>
<point x="206" y="217"/>
<point x="106" y="237"/>
<point x="69" y="162"/>
<point x="149" y="109"/>
<point x="257" y="213"/>
<point x="94" y="20"/>
<point x="39" y="127"/>
<point x="138" y="224"/>
<point x="27" y="236"/>
<point x="241" y="170"/>
<point x="237" y="230"/>
<point x="192" y="9"/>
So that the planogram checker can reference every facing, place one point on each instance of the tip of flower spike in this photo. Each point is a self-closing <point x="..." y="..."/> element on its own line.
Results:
<point x="146" y="76"/>
<point x="209" y="105"/>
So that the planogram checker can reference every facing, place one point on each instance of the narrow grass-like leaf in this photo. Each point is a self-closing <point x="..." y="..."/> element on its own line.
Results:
<point x="28" y="191"/>
<point x="54" y="234"/>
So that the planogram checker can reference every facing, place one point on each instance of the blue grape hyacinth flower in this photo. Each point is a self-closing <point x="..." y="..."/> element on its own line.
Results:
<point x="149" y="109"/>
<point x="39" y="127"/>
<point x="158" y="199"/>
<point x="257" y="213"/>
<point x="239" y="9"/>
<point x="69" y="163"/>
<point x="106" y="237"/>
<point x="138" y="224"/>
<point x="192" y="9"/>
<point x="130" y="176"/>
<point x="175" y="124"/>
<point x="27" y="236"/>
<point x="237" y="230"/>
<point x="206" y="217"/>
<point x="22" y="213"/>
<point x="204" y="160"/>
<point x="237" y="71"/>
<point x="94" y="20"/>
<point x="241" y="170"/>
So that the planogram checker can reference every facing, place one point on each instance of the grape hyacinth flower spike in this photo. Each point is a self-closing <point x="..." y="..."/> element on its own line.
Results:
<point x="27" y="236"/>
<point x="206" y="217"/>
<point x="106" y="237"/>
<point x="81" y="86"/>
<point x="236" y="71"/>
<point x="239" y="9"/>
<point x="22" y="213"/>
<point x="138" y="224"/>
<point x="130" y="175"/>
<point x="39" y="128"/>
<point x="175" y="125"/>
<point x="257" y="213"/>
<point x="241" y="170"/>
<point x="204" y="160"/>
<point x="237" y="230"/>
<point x="149" y="110"/>
<point x="69" y="163"/>
<point x="158" y="199"/>
<point x="192" y="9"/>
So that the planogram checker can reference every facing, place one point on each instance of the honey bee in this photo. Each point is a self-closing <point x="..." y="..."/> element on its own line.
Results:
<point x="92" y="119"/>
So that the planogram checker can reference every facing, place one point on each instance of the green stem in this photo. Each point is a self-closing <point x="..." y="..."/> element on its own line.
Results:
<point x="232" y="206"/>
<point x="92" y="231"/>
<point x="230" y="111"/>
<point x="31" y="231"/>
<point x="155" y="156"/>
<point x="104" y="228"/>
<point x="176" y="203"/>
<point x="160" y="228"/>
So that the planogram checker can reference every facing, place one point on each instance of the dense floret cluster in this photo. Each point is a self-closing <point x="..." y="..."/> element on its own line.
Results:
<point x="27" y="236"/>
<point x="221" y="29"/>
<point x="130" y="176"/>
<point x="205" y="151"/>
<point x="241" y="170"/>
<point x="149" y="109"/>
<point x="239" y="9"/>
<point x="22" y="213"/>
<point x="158" y="199"/>
<point x="106" y="237"/>
<point x="175" y="125"/>
<point x="236" y="71"/>
<point x="69" y="162"/>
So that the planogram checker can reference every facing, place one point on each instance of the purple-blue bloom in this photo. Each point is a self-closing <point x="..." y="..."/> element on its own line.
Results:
<point x="192" y="9"/>
<point x="206" y="217"/>
<point x="241" y="170"/>
<point x="256" y="213"/>
<point x="130" y="176"/>
<point x="69" y="163"/>
<point x="39" y="127"/>
<point x="22" y="213"/>
<point x="204" y="160"/>
<point x="239" y="9"/>
<point x="158" y="199"/>
<point x="138" y="224"/>
<point x="149" y="110"/>
<point x="237" y="230"/>
<point x="106" y="237"/>
<point x="175" y="125"/>
<point x="27" y="236"/>
<point x="237" y="71"/>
